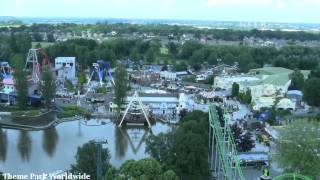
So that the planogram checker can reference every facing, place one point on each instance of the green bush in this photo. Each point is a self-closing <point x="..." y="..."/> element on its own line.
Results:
<point x="27" y="113"/>
<point x="189" y="79"/>
<point x="102" y="90"/>
<point x="71" y="111"/>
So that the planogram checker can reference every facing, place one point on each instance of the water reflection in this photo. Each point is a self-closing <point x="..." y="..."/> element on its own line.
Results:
<point x="79" y="129"/>
<point x="24" y="145"/>
<point x="136" y="136"/>
<point x="3" y="145"/>
<point x="49" y="140"/>
<point x="121" y="143"/>
<point x="34" y="149"/>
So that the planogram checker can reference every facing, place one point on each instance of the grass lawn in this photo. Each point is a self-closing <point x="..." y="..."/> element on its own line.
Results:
<point x="43" y="44"/>
<point x="164" y="50"/>
<point x="27" y="113"/>
<point x="71" y="111"/>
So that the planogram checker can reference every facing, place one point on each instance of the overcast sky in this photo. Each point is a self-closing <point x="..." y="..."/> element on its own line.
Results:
<point x="239" y="10"/>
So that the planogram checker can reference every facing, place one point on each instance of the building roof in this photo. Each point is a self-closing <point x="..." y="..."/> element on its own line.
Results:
<point x="182" y="73"/>
<point x="155" y="99"/>
<point x="276" y="80"/>
<point x="272" y="70"/>
<point x="65" y="58"/>
<point x="295" y="92"/>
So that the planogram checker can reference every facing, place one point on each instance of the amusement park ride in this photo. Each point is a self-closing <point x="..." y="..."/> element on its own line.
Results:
<point x="100" y="67"/>
<point x="223" y="156"/>
<point x="136" y="112"/>
<point x="32" y="59"/>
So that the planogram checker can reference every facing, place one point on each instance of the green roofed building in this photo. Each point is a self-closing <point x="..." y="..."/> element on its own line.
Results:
<point x="271" y="71"/>
<point x="266" y="82"/>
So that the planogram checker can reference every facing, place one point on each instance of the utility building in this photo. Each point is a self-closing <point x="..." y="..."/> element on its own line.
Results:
<point x="65" y="68"/>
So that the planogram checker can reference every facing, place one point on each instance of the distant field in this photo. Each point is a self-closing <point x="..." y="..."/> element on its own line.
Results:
<point x="164" y="51"/>
<point x="43" y="44"/>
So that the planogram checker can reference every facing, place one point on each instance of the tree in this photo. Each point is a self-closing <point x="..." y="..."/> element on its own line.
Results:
<point x="150" y="55"/>
<point x="236" y="131"/>
<point x="210" y="80"/>
<point x="298" y="146"/>
<point x="188" y="48"/>
<point x="23" y="41"/>
<point x="173" y="48"/>
<point x="144" y="169"/>
<point x="21" y="85"/>
<point x="246" y="143"/>
<point x="248" y="97"/>
<point x="13" y="43"/>
<point x="37" y="37"/>
<point x="315" y="72"/>
<point x="121" y="84"/>
<point x="185" y="149"/>
<point x="147" y="168"/>
<point x="180" y="66"/>
<point x="212" y="58"/>
<point x="229" y="59"/>
<point x="235" y="89"/>
<point x="297" y="80"/>
<point x="82" y="79"/>
<point x="197" y="35"/>
<point x="311" y="91"/>
<point x="86" y="159"/>
<point x="243" y="141"/>
<point x="70" y="87"/>
<point x="50" y="37"/>
<point x="159" y="146"/>
<point x="196" y="59"/>
<point x="47" y="85"/>
<point x="134" y="54"/>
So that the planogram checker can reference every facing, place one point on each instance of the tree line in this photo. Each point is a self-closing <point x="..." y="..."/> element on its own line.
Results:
<point x="191" y="53"/>
<point x="291" y="56"/>
<point x="164" y="30"/>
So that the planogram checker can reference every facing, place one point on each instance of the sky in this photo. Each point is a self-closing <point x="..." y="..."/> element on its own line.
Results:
<point x="307" y="11"/>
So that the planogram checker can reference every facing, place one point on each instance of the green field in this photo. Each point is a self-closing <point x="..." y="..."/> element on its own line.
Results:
<point x="43" y="44"/>
<point x="164" y="50"/>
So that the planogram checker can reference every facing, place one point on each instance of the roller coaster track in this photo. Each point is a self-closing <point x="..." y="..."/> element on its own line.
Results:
<point x="223" y="156"/>
<point x="224" y="159"/>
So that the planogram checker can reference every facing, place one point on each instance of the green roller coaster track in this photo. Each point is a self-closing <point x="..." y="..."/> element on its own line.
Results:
<point x="224" y="159"/>
<point x="223" y="156"/>
<point x="291" y="176"/>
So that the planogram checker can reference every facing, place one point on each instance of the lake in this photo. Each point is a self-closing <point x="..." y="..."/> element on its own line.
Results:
<point x="54" y="149"/>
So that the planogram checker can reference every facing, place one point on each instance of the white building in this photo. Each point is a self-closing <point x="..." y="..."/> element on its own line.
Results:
<point x="65" y="68"/>
<point x="264" y="83"/>
<point x="167" y="75"/>
<point x="159" y="103"/>
<point x="201" y="77"/>
<point x="267" y="81"/>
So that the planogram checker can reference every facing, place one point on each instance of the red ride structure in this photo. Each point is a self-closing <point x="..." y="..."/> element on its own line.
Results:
<point x="32" y="59"/>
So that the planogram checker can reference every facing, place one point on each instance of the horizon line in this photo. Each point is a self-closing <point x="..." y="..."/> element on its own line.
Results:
<point x="165" y="19"/>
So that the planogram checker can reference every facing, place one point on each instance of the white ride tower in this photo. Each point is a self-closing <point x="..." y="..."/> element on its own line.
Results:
<point x="135" y="104"/>
<point x="32" y="59"/>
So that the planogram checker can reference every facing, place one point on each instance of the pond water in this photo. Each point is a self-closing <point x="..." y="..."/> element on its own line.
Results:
<point x="54" y="149"/>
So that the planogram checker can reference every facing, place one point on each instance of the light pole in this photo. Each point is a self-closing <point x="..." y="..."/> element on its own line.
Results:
<point x="98" y="158"/>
